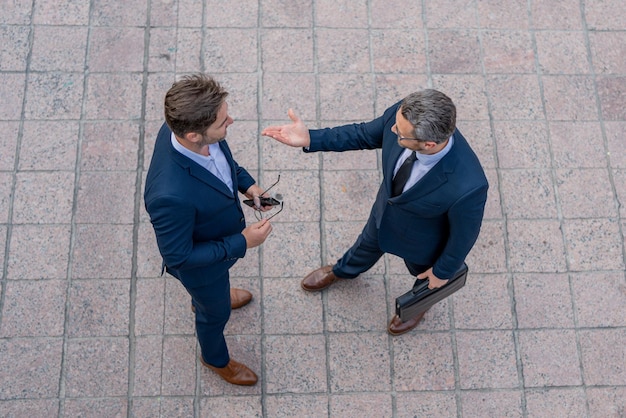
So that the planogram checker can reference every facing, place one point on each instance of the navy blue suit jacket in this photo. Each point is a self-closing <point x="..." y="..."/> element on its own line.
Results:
<point x="434" y="223"/>
<point x="196" y="218"/>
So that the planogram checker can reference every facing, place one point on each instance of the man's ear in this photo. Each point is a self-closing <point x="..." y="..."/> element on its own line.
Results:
<point x="192" y="137"/>
<point x="430" y="144"/>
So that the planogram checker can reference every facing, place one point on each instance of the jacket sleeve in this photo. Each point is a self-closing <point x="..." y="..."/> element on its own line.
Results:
<point x="465" y="219"/>
<point x="173" y="222"/>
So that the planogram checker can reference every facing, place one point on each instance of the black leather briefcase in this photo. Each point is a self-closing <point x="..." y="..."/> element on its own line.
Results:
<point x="420" y="298"/>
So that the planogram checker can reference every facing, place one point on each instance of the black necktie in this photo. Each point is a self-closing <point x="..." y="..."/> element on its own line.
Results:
<point x="403" y="174"/>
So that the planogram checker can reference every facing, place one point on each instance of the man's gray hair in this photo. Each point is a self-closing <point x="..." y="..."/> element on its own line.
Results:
<point x="432" y="114"/>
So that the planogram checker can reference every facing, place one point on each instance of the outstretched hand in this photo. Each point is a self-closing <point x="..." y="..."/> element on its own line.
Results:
<point x="295" y="134"/>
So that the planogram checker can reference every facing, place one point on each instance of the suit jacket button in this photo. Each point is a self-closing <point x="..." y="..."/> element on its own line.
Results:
<point x="242" y="220"/>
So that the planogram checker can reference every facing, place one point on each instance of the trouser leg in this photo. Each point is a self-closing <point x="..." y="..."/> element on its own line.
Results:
<point x="363" y="254"/>
<point x="415" y="269"/>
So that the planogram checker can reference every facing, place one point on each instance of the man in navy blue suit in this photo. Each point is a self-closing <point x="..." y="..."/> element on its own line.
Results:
<point x="191" y="196"/>
<point x="430" y="206"/>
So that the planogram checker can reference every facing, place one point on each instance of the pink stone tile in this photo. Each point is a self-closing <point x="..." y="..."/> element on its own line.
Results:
<point x="577" y="144"/>
<point x="488" y="255"/>
<point x="55" y="142"/>
<point x="105" y="197"/>
<point x="339" y="238"/>
<point x="353" y="160"/>
<point x="560" y="402"/>
<point x="158" y="84"/>
<point x="29" y="408"/>
<point x="15" y="51"/>
<point x="12" y="93"/>
<point x="391" y="88"/>
<point x="293" y="14"/>
<point x="287" y="405"/>
<point x="179" y="318"/>
<point x="163" y="49"/>
<point x="515" y="97"/>
<point x="33" y="308"/>
<point x="96" y="367"/>
<point x="616" y="139"/>
<point x="345" y="192"/>
<point x="508" y="52"/>
<point x="562" y="52"/>
<point x="149" y="261"/>
<point x="580" y="202"/>
<point x="221" y="57"/>
<point x="101" y="104"/>
<point x="543" y="301"/>
<point x="116" y="49"/>
<point x="593" y="244"/>
<point x="245" y="349"/>
<point x="341" y="13"/>
<point x="532" y="152"/>
<point x="85" y="407"/>
<point x="96" y="246"/>
<point x="597" y="306"/>
<point x="8" y="151"/>
<point x="569" y="98"/>
<point x="231" y="406"/>
<point x="355" y="100"/>
<point x="551" y="15"/>
<point x="606" y="401"/>
<point x="342" y="50"/>
<point x="242" y="100"/>
<point x="427" y="404"/>
<point x="43" y="197"/>
<point x="603" y="352"/>
<point x="186" y="52"/>
<point x="297" y="44"/>
<point x="427" y="372"/>
<point x="278" y="98"/>
<point x="189" y="13"/>
<point x="287" y="253"/>
<point x="454" y="51"/>
<point x="407" y="55"/>
<point x="98" y="308"/>
<point x="147" y="366"/>
<point x="105" y="13"/>
<point x="536" y="246"/>
<point x="304" y="353"/>
<point x="486" y="359"/>
<point x="289" y="310"/>
<point x="361" y="405"/>
<point x="38" y="252"/>
<point x="386" y="14"/>
<point x="22" y="363"/>
<point x="247" y="266"/>
<point x="115" y="151"/>
<point x="149" y="306"/>
<point x="608" y="50"/>
<point x="274" y="154"/>
<point x="243" y="138"/>
<point x="494" y="14"/>
<point x="61" y="12"/>
<point x="468" y="92"/>
<point x="450" y="14"/>
<point x="549" y="358"/>
<point x="483" y="303"/>
<point x="355" y="360"/>
<point x="179" y="366"/>
<point x="53" y="95"/>
<point x="17" y="12"/>
<point x="492" y="404"/>
<point x="612" y="92"/>
<point x="59" y="48"/>
<point x="528" y="194"/>
<point x="601" y="15"/>
<point x="170" y="407"/>
<point x="241" y="14"/>
<point x="357" y="305"/>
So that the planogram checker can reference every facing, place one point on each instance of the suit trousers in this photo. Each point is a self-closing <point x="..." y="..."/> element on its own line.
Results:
<point x="213" y="309"/>
<point x="365" y="252"/>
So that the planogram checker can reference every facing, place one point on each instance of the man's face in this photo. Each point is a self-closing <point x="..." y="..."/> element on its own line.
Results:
<point x="405" y="132"/>
<point x="217" y="131"/>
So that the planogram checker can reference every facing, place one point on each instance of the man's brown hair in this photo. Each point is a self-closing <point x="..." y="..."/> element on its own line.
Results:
<point x="192" y="103"/>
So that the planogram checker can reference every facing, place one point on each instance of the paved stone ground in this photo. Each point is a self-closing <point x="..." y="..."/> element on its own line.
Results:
<point x="89" y="328"/>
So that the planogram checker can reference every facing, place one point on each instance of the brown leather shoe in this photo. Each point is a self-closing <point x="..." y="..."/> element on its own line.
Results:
<point x="238" y="298"/>
<point x="397" y="327"/>
<point x="319" y="279"/>
<point x="234" y="372"/>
